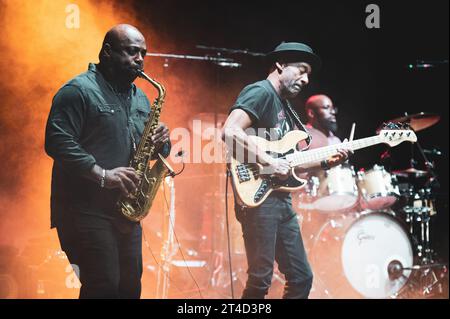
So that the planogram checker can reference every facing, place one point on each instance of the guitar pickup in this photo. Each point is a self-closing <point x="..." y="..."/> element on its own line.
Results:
<point x="242" y="173"/>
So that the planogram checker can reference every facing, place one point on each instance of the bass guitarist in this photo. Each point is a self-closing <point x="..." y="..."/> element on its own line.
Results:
<point x="271" y="231"/>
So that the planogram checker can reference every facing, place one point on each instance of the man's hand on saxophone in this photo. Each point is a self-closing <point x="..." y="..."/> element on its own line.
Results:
<point x="161" y="136"/>
<point x="124" y="178"/>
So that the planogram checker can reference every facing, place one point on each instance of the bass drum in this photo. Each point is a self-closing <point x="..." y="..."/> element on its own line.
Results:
<point x="355" y="256"/>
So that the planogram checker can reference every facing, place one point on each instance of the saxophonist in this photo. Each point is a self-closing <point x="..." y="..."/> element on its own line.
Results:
<point x="95" y="123"/>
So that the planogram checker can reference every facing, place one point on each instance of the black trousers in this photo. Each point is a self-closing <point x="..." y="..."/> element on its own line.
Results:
<point x="109" y="260"/>
<point x="271" y="233"/>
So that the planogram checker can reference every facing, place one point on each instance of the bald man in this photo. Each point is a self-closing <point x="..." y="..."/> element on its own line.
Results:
<point x="94" y="126"/>
<point x="322" y="123"/>
<point x="322" y="126"/>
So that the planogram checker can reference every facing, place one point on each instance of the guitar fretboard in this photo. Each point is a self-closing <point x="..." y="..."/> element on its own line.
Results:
<point x="322" y="153"/>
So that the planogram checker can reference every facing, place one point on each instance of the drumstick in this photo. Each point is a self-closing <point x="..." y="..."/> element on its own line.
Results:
<point x="352" y="132"/>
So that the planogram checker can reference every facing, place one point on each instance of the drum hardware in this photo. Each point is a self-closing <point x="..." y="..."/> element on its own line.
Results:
<point x="403" y="279"/>
<point x="420" y="204"/>
<point x="396" y="269"/>
<point x="308" y="194"/>
<point x="418" y="122"/>
<point x="425" y="280"/>
<point x="410" y="172"/>
<point x="385" y="208"/>
<point x="418" y="212"/>
<point x="419" y="209"/>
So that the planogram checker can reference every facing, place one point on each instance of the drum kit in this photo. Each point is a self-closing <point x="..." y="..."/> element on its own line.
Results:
<point x="367" y="233"/>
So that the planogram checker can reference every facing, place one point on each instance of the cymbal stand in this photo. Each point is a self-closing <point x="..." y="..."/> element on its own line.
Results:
<point x="424" y="278"/>
<point x="433" y="180"/>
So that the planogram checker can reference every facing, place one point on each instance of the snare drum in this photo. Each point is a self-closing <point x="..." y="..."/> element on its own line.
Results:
<point x="337" y="190"/>
<point x="378" y="188"/>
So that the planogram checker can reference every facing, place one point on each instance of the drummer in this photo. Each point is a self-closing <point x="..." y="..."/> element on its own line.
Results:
<point x="322" y="124"/>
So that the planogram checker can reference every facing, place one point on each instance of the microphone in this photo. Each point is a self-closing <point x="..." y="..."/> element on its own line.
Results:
<point x="229" y="64"/>
<point x="421" y="64"/>
<point x="395" y="270"/>
<point x="179" y="153"/>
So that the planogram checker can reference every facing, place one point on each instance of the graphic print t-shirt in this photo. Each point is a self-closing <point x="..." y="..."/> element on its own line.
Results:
<point x="269" y="117"/>
<point x="265" y="108"/>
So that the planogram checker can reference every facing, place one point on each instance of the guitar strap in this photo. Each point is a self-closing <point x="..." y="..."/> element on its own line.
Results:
<point x="299" y="123"/>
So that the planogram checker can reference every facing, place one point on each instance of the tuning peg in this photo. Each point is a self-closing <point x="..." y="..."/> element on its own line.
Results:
<point x="391" y="126"/>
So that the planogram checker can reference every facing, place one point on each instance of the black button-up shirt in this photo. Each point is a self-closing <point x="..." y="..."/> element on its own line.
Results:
<point x="91" y="123"/>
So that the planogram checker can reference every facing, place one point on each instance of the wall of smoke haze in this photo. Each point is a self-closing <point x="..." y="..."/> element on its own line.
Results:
<point x="39" y="54"/>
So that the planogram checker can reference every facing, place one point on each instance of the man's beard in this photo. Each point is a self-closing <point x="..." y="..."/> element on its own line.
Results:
<point x="329" y="125"/>
<point x="288" y="90"/>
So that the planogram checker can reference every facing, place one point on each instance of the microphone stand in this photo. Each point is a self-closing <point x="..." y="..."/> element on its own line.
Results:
<point x="425" y="281"/>
<point x="163" y="281"/>
<point x="224" y="62"/>
<point x="168" y="249"/>
<point x="230" y="51"/>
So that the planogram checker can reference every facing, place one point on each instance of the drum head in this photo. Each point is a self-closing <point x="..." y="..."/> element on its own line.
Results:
<point x="371" y="244"/>
<point x="350" y="255"/>
<point x="337" y="191"/>
<point x="380" y="201"/>
<point x="336" y="203"/>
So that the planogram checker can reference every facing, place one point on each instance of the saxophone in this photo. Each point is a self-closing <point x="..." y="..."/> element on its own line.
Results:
<point x="138" y="206"/>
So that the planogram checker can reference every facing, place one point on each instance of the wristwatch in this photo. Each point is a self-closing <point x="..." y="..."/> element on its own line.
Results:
<point x="324" y="165"/>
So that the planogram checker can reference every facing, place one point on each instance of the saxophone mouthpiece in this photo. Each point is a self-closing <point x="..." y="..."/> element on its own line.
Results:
<point x="139" y="71"/>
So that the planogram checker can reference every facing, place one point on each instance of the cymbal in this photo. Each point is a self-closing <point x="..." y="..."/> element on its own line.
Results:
<point x="410" y="172"/>
<point x="418" y="122"/>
